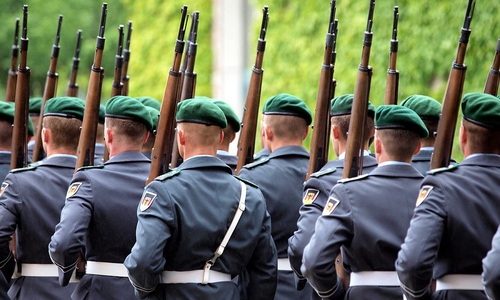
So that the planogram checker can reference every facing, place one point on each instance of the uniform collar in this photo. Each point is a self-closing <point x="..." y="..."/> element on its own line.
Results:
<point x="128" y="156"/>
<point x="204" y="161"/>
<point x="289" y="150"/>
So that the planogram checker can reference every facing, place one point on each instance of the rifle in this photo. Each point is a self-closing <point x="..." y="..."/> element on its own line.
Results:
<point x="72" y="85"/>
<point x="246" y="141"/>
<point x="353" y="162"/>
<point x="391" y="88"/>
<point x="493" y="80"/>
<point x="449" y="112"/>
<point x="117" y="84"/>
<point x="188" y="77"/>
<point x="321" y="132"/>
<point x="333" y="86"/>
<point x="10" y="95"/>
<point x="49" y="92"/>
<point x="19" y="152"/>
<point x="126" y="58"/>
<point x="162" y="150"/>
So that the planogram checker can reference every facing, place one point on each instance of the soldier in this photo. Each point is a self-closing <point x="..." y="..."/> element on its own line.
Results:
<point x="233" y="126"/>
<point x="6" y="120"/>
<point x="491" y="269"/>
<point x="147" y="148"/>
<point x="264" y="152"/>
<point x="32" y="200"/>
<point x="99" y="214"/>
<point x="281" y="176"/>
<point x="34" y="107"/>
<point x="184" y="216"/>
<point x="317" y="189"/>
<point x="457" y="212"/>
<point x="429" y="110"/>
<point x="99" y="138"/>
<point x="151" y="102"/>
<point x="368" y="215"/>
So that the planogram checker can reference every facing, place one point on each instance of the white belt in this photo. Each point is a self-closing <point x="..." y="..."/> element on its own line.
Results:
<point x="284" y="264"/>
<point x="374" y="278"/>
<point x="39" y="270"/>
<point x="106" y="269"/>
<point x="192" y="276"/>
<point x="459" y="282"/>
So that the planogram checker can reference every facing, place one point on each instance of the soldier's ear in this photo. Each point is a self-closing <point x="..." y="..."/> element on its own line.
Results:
<point x="45" y="134"/>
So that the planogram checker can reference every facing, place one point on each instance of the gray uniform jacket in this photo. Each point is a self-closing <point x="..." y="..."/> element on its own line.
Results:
<point x="280" y="178"/>
<point x="452" y="227"/>
<point x="4" y="164"/>
<point x="182" y="219"/>
<point x="368" y="217"/>
<point x="228" y="159"/>
<point x="31" y="202"/>
<point x="491" y="269"/>
<point x="100" y="216"/>
<point x="316" y="192"/>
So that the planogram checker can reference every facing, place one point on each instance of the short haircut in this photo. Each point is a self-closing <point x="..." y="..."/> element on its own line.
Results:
<point x="229" y="133"/>
<point x="482" y="139"/>
<point x="65" y="131"/>
<point x="399" y="144"/>
<point x="343" y="123"/>
<point x="200" y="134"/>
<point x="128" y="130"/>
<point x="6" y="134"/>
<point x="431" y="126"/>
<point x="286" y="127"/>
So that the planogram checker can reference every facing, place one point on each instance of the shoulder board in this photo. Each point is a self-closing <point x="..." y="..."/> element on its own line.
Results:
<point x="257" y="156"/>
<point x="353" y="178"/>
<point x="90" y="167"/>
<point x="256" y="163"/>
<point x="441" y="170"/>
<point x="23" y="169"/>
<point x="246" y="181"/>
<point x="168" y="175"/>
<point x="324" y="172"/>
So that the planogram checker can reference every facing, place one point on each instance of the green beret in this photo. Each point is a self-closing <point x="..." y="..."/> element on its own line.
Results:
<point x="7" y="111"/>
<point x="231" y="116"/>
<point x="399" y="117"/>
<point x="151" y="102"/>
<point x="153" y="113"/>
<point x="35" y="104"/>
<point x="66" y="107"/>
<point x="482" y="109"/>
<point x="31" y="128"/>
<point x="102" y="113"/>
<point x="426" y="107"/>
<point x="286" y="104"/>
<point x="200" y="111"/>
<point x="342" y="105"/>
<point x="124" y="107"/>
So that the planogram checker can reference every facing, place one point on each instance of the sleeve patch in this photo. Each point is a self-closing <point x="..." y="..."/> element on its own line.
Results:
<point x="330" y="206"/>
<point x="309" y="196"/>
<point x="73" y="189"/>
<point x="424" y="192"/>
<point x="147" y="200"/>
<point x="4" y="186"/>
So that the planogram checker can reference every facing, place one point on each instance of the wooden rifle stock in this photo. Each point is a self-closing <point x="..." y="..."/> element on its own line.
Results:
<point x="86" y="144"/>
<point x="72" y="85"/>
<point x="10" y="94"/>
<point x="246" y="141"/>
<point x="162" y="149"/>
<point x="49" y="92"/>
<point x="188" y="79"/>
<point x="126" y="59"/>
<point x="321" y="128"/>
<point x="19" y="150"/>
<point x="451" y="102"/>
<point x="391" y="89"/>
<point x="353" y="162"/>
<point x="493" y="80"/>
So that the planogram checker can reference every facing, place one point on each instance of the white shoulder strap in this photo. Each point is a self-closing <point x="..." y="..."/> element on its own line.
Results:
<point x="229" y="233"/>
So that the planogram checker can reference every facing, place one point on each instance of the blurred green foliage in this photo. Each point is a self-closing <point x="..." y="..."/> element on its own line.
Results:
<point x="428" y="38"/>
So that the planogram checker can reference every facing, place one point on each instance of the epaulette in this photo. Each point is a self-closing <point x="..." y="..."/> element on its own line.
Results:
<point x="18" y="170"/>
<point x="168" y="175"/>
<point x="257" y="156"/>
<point x="444" y="169"/>
<point x="90" y="167"/>
<point x="324" y="172"/>
<point x="256" y="163"/>
<point x="353" y="178"/>
<point x="246" y="181"/>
